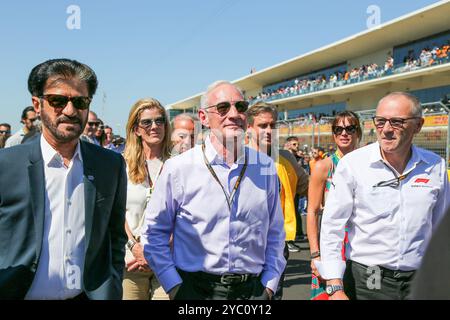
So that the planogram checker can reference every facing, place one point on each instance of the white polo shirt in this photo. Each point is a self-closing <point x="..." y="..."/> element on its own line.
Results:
<point x="387" y="226"/>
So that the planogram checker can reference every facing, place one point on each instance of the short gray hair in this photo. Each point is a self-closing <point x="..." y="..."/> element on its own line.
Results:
<point x="184" y="116"/>
<point x="211" y="87"/>
<point x="416" y="107"/>
<point x="187" y="116"/>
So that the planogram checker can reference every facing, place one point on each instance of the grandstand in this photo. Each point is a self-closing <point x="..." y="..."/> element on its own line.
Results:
<point x="410" y="53"/>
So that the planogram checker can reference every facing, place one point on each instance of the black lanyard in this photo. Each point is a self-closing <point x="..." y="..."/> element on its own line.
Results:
<point x="395" y="182"/>
<point x="236" y="185"/>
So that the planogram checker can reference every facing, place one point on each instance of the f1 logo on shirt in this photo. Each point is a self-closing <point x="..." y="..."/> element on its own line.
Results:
<point x="421" y="183"/>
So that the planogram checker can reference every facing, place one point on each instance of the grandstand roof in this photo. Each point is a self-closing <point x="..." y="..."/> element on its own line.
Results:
<point x="419" y="24"/>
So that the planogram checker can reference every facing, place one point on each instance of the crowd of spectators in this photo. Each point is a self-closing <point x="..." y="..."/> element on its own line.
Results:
<point x="299" y="86"/>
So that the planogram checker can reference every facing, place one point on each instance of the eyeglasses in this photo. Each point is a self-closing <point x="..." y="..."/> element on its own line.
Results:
<point x="397" y="123"/>
<point x="60" y="101"/>
<point x="337" y="130"/>
<point x="93" y="123"/>
<point x="148" y="123"/>
<point x="33" y="119"/>
<point x="5" y="132"/>
<point x="101" y="127"/>
<point x="224" y="107"/>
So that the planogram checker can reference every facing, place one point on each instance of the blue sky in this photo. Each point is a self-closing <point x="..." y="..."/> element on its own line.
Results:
<point x="169" y="49"/>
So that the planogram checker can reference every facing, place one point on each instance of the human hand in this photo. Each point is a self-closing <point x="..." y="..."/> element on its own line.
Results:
<point x="139" y="263"/>
<point x="314" y="270"/>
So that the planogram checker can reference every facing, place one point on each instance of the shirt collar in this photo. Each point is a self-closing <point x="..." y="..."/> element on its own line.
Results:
<point x="416" y="156"/>
<point x="49" y="154"/>
<point x="213" y="157"/>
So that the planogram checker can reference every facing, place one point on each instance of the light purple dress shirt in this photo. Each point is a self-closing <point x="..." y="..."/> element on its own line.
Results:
<point x="208" y="236"/>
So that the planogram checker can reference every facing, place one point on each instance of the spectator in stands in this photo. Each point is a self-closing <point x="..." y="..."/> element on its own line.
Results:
<point x="148" y="147"/>
<point x="28" y="117"/>
<point x="183" y="132"/>
<point x="374" y="192"/>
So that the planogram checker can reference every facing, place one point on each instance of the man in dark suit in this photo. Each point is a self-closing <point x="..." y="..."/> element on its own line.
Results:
<point x="62" y="201"/>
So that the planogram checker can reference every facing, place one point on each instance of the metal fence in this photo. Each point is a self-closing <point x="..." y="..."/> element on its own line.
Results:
<point x="434" y="136"/>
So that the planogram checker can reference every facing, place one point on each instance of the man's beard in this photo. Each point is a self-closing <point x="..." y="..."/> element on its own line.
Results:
<point x="63" y="136"/>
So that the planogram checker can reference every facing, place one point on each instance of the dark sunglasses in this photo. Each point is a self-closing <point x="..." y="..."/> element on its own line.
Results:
<point x="337" y="130"/>
<point x="224" y="107"/>
<point x="148" y="123"/>
<point x="5" y="132"/>
<point x="60" y="101"/>
<point x="93" y="123"/>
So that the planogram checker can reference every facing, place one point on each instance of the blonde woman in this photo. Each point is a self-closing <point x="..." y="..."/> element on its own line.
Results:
<point x="148" y="146"/>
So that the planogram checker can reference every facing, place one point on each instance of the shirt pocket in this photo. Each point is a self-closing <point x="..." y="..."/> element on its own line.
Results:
<point x="378" y="202"/>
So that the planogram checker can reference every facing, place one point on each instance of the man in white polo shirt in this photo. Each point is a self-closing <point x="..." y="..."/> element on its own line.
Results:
<point x="391" y="196"/>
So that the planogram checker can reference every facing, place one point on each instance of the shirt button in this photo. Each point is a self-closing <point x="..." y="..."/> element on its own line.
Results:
<point x="68" y="231"/>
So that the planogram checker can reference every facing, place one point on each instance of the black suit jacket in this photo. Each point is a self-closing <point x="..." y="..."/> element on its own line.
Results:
<point x="22" y="192"/>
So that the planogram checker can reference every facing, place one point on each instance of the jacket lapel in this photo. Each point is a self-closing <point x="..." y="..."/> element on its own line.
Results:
<point x="90" y="190"/>
<point x="37" y="189"/>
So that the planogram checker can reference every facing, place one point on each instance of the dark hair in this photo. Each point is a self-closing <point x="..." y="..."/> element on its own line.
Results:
<point x="5" y="125"/>
<point x="60" y="68"/>
<point x="25" y="111"/>
<point x="258" y="108"/>
<point x="292" y="138"/>
<point x="352" y="118"/>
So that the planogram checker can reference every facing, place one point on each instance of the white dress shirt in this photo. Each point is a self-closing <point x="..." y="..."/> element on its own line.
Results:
<point x="208" y="235"/>
<point x="59" y="273"/>
<point x="387" y="226"/>
<point x="15" y="139"/>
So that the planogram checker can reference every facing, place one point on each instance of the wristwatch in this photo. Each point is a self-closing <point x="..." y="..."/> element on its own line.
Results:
<point x="330" y="290"/>
<point x="130" y="244"/>
<point x="315" y="254"/>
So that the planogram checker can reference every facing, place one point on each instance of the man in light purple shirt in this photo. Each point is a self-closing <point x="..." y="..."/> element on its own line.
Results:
<point x="220" y="202"/>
